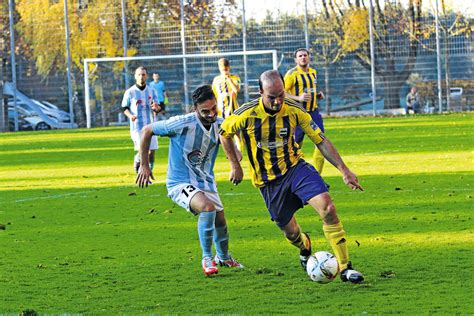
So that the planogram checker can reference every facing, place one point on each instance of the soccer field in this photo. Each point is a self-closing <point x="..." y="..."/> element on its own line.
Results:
<point x="77" y="236"/>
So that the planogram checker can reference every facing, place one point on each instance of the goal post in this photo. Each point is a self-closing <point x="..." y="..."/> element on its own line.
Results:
<point x="200" y="69"/>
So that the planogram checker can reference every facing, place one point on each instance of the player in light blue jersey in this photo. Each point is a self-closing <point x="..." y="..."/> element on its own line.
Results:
<point x="138" y="104"/>
<point x="160" y="89"/>
<point x="194" y="143"/>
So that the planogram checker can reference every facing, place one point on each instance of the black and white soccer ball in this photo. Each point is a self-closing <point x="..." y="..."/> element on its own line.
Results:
<point x="322" y="267"/>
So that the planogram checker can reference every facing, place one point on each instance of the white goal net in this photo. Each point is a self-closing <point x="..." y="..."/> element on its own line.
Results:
<point x="105" y="79"/>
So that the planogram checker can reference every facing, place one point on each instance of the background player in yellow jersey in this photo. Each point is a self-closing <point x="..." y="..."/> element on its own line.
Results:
<point x="300" y="85"/>
<point x="285" y="180"/>
<point x="226" y="86"/>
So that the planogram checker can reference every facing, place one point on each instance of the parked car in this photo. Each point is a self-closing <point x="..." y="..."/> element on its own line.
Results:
<point x="47" y="108"/>
<point x="26" y="120"/>
<point x="23" y="124"/>
<point x="54" y="112"/>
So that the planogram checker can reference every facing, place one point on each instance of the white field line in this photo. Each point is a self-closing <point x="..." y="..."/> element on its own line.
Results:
<point x="57" y="196"/>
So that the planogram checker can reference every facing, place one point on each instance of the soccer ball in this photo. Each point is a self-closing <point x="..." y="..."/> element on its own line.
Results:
<point x="322" y="267"/>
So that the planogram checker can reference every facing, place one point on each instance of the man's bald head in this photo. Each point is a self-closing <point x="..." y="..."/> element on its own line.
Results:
<point x="269" y="78"/>
<point x="272" y="89"/>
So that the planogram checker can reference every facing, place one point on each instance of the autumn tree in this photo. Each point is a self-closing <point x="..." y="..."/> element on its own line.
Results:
<point x="96" y="27"/>
<point x="453" y="26"/>
<point x="397" y="30"/>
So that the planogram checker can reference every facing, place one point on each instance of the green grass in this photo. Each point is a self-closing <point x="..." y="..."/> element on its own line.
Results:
<point x="81" y="238"/>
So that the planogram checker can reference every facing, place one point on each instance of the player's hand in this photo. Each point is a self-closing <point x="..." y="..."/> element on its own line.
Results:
<point x="133" y="118"/>
<point x="305" y="97"/>
<point x="236" y="174"/>
<point x="144" y="175"/>
<point x="350" y="179"/>
<point x="155" y="107"/>
<point x="320" y="95"/>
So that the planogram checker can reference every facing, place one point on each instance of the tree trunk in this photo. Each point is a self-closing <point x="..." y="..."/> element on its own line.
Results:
<point x="392" y="93"/>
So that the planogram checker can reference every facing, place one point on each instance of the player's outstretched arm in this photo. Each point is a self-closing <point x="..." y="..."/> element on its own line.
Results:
<point x="236" y="172"/>
<point x="144" y="173"/>
<point x="330" y="153"/>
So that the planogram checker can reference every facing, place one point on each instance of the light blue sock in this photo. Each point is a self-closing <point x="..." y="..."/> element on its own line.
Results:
<point x="152" y="164"/>
<point x="221" y="240"/>
<point x="206" y="232"/>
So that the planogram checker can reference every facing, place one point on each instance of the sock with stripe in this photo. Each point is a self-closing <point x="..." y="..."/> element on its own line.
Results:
<point x="206" y="232"/>
<point x="336" y="236"/>
<point x="221" y="240"/>
<point x="301" y="242"/>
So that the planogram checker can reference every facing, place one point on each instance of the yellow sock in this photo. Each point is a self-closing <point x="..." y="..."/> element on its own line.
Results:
<point x="301" y="241"/>
<point x="336" y="236"/>
<point x="318" y="160"/>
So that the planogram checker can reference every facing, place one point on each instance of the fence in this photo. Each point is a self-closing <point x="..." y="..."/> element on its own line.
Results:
<point x="343" y="63"/>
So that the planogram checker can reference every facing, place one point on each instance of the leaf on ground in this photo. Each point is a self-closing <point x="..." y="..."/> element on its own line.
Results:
<point x="387" y="274"/>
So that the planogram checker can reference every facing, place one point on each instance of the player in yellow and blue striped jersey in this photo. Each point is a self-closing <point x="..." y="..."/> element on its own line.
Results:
<point x="285" y="180"/>
<point x="226" y="86"/>
<point x="300" y="85"/>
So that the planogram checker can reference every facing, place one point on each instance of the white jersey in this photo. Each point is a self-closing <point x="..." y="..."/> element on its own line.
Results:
<point x="139" y="103"/>
<point x="192" y="152"/>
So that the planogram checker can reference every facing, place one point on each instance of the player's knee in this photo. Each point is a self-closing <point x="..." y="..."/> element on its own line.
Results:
<point x="208" y="207"/>
<point x="329" y="214"/>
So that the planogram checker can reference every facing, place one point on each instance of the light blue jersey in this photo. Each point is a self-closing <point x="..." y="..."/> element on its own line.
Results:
<point x="139" y="103"/>
<point x="192" y="152"/>
<point x="159" y="88"/>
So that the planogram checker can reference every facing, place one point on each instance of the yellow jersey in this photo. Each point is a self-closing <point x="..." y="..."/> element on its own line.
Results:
<point x="226" y="98"/>
<point x="297" y="82"/>
<point x="269" y="139"/>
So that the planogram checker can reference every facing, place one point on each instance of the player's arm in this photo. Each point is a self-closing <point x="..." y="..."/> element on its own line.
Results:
<point x="327" y="149"/>
<point x="126" y="107"/>
<point x="226" y="134"/>
<point x="155" y="106"/>
<point x="144" y="173"/>
<point x="304" y="97"/>
<point x="236" y="172"/>
<point x="129" y="114"/>
<point x="331" y="154"/>
<point x="289" y="89"/>
<point x="234" y="85"/>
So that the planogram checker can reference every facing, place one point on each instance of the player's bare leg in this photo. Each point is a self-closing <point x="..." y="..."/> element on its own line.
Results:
<point x="299" y="239"/>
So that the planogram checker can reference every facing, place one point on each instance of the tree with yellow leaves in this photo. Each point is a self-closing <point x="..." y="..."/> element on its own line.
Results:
<point x="347" y="22"/>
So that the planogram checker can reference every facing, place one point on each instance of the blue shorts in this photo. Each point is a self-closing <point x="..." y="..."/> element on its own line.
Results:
<point x="317" y="118"/>
<point x="287" y="194"/>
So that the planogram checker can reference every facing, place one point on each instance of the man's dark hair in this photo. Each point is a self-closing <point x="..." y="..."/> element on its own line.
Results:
<point x="141" y="68"/>
<point x="202" y="94"/>
<point x="300" y="50"/>
<point x="260" y="84"/>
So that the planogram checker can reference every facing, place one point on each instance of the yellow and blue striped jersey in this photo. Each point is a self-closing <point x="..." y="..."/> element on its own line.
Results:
<point x="297" y="82"/>
<point x="226" y="98"/>
<point x="269" y="139"/>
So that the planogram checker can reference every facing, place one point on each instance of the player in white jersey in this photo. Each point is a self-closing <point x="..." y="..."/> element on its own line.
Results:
<point x="194" y="143"/>
<point x="138" y="103"/>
